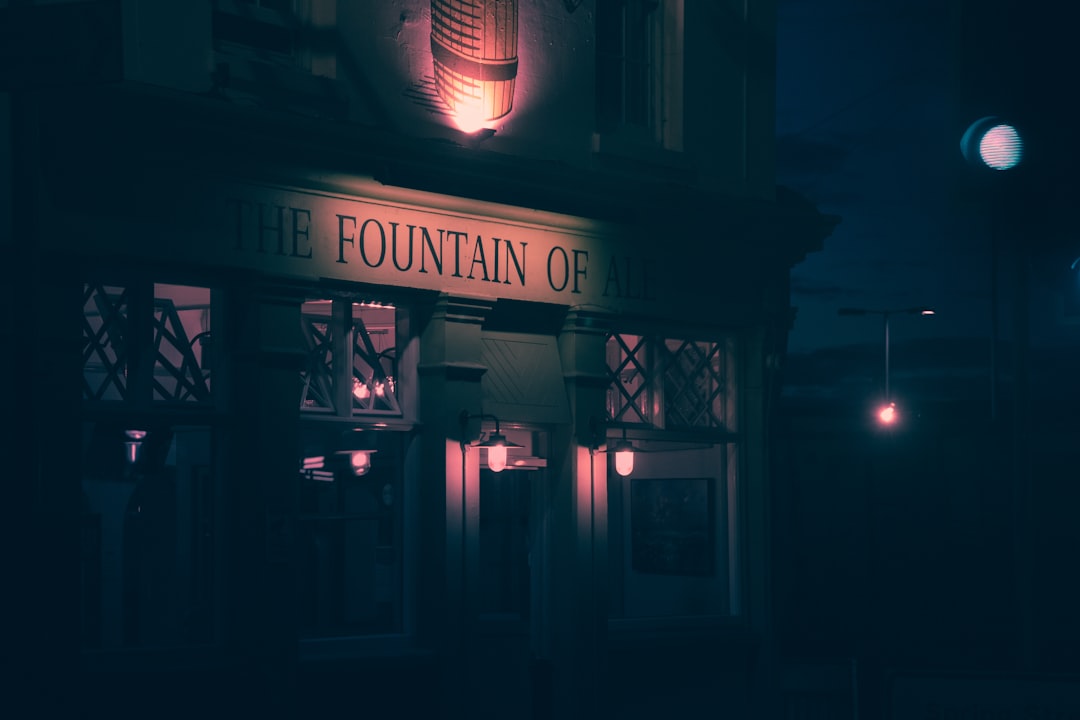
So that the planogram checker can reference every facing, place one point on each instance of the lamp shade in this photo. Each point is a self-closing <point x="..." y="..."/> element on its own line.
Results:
<point x="496" y="445"/>
<point x="133" y="445"/>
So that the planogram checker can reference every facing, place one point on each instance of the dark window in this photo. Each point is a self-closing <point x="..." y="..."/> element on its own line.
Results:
<point x="351" y="538"/>
<point x="144" y="343"/>
<point x="627" y="46"/>
<point x="149" y="495"/>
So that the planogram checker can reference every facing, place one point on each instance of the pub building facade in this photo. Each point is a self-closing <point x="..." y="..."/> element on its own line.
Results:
<point x="415" y="358"/>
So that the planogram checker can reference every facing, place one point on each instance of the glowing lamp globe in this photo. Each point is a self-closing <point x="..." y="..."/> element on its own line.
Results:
<point x="992" y="143"/>
<point x="496" y="452"/>
<point x="497" y="458"/>
<point x="360" y="462"/>
<point x="887" y="414"/>
<point x="624" y="458"/>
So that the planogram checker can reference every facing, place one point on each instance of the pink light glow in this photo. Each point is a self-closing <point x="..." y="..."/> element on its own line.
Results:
<point x="887" y="414"/>
<point x="474" y="57"/>
<point x="1001" y="147"/>
<point x="496" y="457"/>
<point x="470" y="117"/>
<point x="361" y="462"/>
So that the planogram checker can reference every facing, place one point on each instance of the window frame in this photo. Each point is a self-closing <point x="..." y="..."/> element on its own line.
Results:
<point x="124" y="446"/>
<point x="657" y="124"/>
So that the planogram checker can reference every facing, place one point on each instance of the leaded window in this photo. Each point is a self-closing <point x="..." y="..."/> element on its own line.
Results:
<point x="143" y="342"/>
<point x="149" y="497"/>
<point x="351" y="366"/>
<point x="670" y="383"/>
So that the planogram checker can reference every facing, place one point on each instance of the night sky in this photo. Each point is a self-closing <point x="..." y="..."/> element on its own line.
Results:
<point x="954" y="526"/>
<point x="872" y="101"/>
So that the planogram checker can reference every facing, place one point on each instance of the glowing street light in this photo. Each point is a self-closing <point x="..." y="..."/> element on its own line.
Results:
<point x="887" y="413"/>
<point x="993" y="143"/>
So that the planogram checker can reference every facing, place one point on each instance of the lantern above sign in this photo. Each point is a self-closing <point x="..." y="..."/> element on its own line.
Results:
<point x="474" y="55"/>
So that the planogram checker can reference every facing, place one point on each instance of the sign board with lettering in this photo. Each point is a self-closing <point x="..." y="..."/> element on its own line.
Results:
<point x="383" y="236"/>
<point x="322" y="235"/>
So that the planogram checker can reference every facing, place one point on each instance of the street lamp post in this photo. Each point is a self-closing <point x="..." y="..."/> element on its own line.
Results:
<point x="887" y="411"/>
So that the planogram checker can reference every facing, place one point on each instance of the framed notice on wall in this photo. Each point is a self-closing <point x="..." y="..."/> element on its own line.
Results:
<point x="672" y="526"/>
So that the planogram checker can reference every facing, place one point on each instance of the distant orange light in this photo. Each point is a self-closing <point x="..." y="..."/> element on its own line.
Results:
<point x="887" y="414"/>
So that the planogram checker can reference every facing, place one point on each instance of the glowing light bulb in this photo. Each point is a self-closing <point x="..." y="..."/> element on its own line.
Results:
<point x="469" y="116"/>
<point x="360" y="462"/>
<point x="360" y="390"/>
<point x="887" y="414"/>
<point x="1001" y="147"/>
<point x="624" y="458"/>
<point x="496" y="455"/>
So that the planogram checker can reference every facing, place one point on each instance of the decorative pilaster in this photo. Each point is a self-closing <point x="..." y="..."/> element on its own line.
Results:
<point x="264" y="350"/>
<point x="449" y="372"/>
<point x="579" y="562"/>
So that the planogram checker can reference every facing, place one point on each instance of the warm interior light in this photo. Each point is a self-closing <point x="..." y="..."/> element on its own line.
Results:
<point x="496" y="452"/>
<point x="624" y="458"/>
<point x="360" y="390"/>
<point x="313" y="463"/>
<point x="887" y="414"/>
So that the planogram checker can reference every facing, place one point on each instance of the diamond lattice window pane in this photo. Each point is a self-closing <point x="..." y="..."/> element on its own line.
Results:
<point x="694" y="384"/>
<point x="317" y="380"/>
<point x="629" y="395"/>
<point x="105" y="353"/>
<point x="181" y="328"/>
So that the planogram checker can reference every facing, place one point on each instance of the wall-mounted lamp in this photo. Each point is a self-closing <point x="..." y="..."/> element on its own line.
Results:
<point x="624" y="456"/>
<point x="496" y="443"/>
<point x="474" y="58"/>
<point x="623" y="449"/>
<point x="133" y="445"/>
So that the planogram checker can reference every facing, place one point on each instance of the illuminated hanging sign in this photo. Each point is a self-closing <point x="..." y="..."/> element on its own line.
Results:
<point x="319" y="235"/>
<point x="474" y="58"/>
